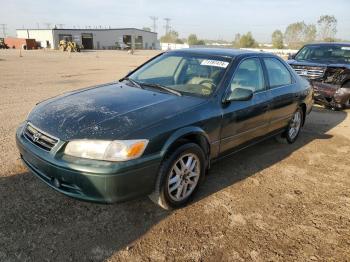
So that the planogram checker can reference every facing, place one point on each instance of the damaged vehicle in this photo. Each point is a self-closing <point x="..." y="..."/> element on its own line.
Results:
<point x="327" y="66"/>
<point x="158" y="130"/>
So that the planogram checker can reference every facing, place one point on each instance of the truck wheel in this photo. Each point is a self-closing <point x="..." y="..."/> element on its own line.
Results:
<point x="179" y="177"/>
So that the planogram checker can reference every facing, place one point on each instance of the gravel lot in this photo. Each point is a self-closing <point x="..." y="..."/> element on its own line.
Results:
<point x="271" y="202"/>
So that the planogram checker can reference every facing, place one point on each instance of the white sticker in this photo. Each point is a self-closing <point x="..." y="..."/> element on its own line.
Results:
<point x="345" y="48"/>
<point x="216" y="63"/>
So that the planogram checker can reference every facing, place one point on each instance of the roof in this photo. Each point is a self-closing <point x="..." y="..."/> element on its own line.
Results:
<point x="230" y="52"/>
<point x="85" y="29"/>
<point x="330" y="43"/>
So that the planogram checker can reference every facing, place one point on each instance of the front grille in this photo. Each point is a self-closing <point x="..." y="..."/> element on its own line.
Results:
<point x="39" y="138"/>
<point x="311" y="72"/>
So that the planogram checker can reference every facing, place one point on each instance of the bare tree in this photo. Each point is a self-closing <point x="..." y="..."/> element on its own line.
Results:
<point x="298" y="34"/>
<point x="327" y="27"/>
<point x="236" y="40"/>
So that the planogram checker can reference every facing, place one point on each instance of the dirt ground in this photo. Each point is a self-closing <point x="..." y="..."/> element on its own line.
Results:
<point x="271" y="202"/>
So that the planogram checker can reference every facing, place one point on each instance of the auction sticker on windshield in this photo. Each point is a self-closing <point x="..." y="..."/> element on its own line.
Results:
<point x="216" y="63"/>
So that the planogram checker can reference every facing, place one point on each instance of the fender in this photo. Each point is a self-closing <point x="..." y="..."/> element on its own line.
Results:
<point x="182" y="132"/>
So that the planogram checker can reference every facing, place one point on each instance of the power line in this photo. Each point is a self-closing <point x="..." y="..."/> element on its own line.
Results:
<point x="154" y="19"/>
<point x="167" y="25"/>
<point x="3" y="27"/>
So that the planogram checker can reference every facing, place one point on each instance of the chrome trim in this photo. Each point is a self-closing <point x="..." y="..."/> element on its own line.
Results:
<point x="311" y="72"/>
<point x="36" y="139"/>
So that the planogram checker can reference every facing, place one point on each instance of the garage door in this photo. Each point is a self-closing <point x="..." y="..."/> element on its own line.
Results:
<point x="87" y="41"/>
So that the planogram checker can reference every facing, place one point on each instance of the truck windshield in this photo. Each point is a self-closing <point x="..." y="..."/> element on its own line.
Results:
<point x="332" y="53"/>
<point x="186" y="73"/>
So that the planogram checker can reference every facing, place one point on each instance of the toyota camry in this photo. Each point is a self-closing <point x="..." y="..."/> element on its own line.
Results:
<point x="159" y="129"/>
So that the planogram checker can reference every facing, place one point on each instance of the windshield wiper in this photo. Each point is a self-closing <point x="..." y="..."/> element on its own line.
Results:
<point x="132" y="81"/>
<point x="169" y="90"/>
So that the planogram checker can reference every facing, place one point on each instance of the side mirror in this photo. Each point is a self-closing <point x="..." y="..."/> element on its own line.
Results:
<point x="240" y="94"/>
<point x="291" y="56"/>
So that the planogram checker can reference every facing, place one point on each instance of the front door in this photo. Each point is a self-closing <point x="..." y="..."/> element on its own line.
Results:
<point x="246" y="120"/>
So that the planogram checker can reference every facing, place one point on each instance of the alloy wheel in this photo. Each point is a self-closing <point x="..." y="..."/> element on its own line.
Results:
<point x="184" y="176"/>
<point x="295" y="125"/>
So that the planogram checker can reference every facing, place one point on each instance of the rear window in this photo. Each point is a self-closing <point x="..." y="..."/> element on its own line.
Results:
<point x="278" y="74"/>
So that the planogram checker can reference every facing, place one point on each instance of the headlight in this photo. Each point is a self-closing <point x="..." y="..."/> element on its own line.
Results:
<point x="118" y="150"/>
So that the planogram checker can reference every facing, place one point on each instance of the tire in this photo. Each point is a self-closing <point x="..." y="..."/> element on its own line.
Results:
<point x="174" y="176"/>
<point x="293" y="129"/>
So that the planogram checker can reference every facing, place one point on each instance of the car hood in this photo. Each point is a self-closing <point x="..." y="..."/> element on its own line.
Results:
<point x="112" y="111"/>
<point x="318" y="64"/>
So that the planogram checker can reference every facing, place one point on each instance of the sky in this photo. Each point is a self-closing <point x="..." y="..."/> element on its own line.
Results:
<point x="209" y="19"/>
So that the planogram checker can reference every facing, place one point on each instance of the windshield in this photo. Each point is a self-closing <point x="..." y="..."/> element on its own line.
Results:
<point x="186" y="73"/>
<point x="333" y="53"/>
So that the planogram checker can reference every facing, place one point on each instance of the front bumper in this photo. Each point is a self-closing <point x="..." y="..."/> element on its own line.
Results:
<point x="326" y="94"/>
<point x="90" y="180"/>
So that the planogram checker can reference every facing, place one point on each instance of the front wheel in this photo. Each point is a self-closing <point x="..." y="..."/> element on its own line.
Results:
<point x="179" y="177"/>
<point x="293" y="129"/>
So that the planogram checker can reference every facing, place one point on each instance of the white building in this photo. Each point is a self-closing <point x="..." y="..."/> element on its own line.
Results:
<point x="93" y="38"/>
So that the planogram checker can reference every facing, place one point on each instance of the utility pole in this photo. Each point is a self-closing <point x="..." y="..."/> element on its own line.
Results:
<point x="167" y="25"/>
<point x="154" y="19"/>
<point x="3" y="28"/>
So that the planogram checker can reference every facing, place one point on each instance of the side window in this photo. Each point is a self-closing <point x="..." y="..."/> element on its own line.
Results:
<point x="277" y="72"/>
<point x="249" y="75"/>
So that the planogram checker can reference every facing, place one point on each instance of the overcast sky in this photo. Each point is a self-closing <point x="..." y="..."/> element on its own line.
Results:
<point x="209" y="19"/>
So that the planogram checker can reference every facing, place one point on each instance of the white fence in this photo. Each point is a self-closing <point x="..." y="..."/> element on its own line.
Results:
<point x="171" y="46"/>
<point x="274" y="51"/>
<point x="281" y="52"/>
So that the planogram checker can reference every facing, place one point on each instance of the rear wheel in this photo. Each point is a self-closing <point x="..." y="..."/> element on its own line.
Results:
<point x="179" y="177"/>
<point x="293" y="129"/>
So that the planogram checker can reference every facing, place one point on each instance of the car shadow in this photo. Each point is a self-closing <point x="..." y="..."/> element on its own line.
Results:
<point x="37" y="223"/>
<point x="252" y="160"/>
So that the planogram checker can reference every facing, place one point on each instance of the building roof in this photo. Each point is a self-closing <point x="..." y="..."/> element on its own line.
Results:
<point x="84" y="29"/>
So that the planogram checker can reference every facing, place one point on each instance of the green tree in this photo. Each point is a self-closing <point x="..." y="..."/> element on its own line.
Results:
<point x="170" y="37"/>
<point x="277" y="39"/>
<point x="298" y="34"/>
<point x="179" y="41"/>
<point x="327" y="27"/>
<point x="247" y="40"/>
<point x="310" y="33"/>
<point x="192" y="39"/>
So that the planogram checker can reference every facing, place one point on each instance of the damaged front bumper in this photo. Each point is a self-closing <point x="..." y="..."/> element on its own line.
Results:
<point x="330" y="95"/>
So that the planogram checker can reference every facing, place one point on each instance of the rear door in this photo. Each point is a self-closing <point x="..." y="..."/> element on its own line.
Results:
<point x="282" y="89"/>
<point x="246" y="120"/>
